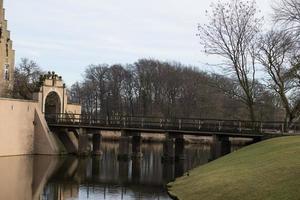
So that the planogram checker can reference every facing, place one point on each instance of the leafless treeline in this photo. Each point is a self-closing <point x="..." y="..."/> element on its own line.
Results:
<point x="153" y="88"/>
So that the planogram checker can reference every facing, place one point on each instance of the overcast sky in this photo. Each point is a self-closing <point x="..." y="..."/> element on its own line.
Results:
<point x="68" y="35"/>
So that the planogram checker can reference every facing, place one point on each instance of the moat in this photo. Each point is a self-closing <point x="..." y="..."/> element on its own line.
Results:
<point x="69" y="177"/>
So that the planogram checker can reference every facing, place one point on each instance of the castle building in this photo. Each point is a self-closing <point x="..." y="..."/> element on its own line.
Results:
<point x="7" y="55"/>
<point x="23" y="126"/>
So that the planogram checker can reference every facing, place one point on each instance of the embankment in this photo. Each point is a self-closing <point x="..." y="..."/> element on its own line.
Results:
<point x="266" y="170"/>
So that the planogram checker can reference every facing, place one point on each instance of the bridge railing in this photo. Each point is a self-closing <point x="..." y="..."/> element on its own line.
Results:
<point x="184" y="124"/>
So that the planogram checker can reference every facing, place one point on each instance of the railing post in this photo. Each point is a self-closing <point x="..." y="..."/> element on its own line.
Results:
<point x="240" y="126"/>
<point x="143" y="122"/>
<point x="131" y="121"/>
<point x="160" y="123"/>
<point x="124" y="121"/>
<point x="220" y="127"/>
<point x="106" y="120"/>
<point x="261" y="127"/>
<point x="199" y="124"/>
<point x="179" y="126"/>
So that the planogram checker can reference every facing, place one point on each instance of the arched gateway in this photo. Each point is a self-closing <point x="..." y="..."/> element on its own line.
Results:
<point x="52" y="96"/>
<point x="52" y="105"/>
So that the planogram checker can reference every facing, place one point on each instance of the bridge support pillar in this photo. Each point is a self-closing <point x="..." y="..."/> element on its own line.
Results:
<point x="179" y="148"/>
<point x="68" y="139"/>
<point x="137" y="146"/>
<point x="221" y="145"/>
<point x="168" y="150"/>
<point x="124" y="150"/>
<point x="256" y="139"/>
<point x="97" y="137"/>
<point x="81" y="172"/>
<point x="96" y="167"/>
<point x="168" y="172"/>
<point x="136" y="170"/>
<point x="83" y="143"/>
<point x="179" y="168"/>
<point x="124" y="171"/>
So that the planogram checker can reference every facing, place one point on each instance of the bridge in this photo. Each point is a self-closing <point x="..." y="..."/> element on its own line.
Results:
<point x="74" y="129"/>
<point x="131" y="127"/>
<point x="185" y="126"/>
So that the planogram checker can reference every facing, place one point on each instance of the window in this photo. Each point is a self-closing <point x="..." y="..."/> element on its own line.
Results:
<point x="6" y="72"/>
<point x="6" y="49"/>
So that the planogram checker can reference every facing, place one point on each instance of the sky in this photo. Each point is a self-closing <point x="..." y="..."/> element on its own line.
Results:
<point x="66" y="36"/>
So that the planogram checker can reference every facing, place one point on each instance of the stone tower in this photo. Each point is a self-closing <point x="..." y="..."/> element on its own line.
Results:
<point x="7" y="55"/>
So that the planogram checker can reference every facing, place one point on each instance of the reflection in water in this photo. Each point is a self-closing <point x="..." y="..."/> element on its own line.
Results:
<point x="24" y="177"/>
<point x="65" y="178"/>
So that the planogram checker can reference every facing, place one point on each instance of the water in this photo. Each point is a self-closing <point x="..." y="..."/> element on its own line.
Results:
<point x="70" y="178"/>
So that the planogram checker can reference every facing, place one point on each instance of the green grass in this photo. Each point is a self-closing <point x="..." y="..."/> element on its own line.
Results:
<point x="263" y="171"/>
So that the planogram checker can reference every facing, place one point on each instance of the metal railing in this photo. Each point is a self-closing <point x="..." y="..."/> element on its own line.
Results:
<point x="182" y="124"/>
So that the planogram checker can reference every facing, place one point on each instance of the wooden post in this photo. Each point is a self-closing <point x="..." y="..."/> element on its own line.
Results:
<point x="179" y="148"/>
<point x="179" y="124"/>
<point x="96" y="167"/>
<point x="220" y="146"/>
<point x="136" y="146"/>
<point x="97" y="137"/>
<point x="124" y="153"/>
<point x="136" y="170"/>
<point x="168" y="149"/>
<point x="83" y="143"/>
<point x="124" y="171"/>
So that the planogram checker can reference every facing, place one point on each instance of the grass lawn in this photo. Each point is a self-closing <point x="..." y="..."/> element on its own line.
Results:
<point x="262" y="171"/>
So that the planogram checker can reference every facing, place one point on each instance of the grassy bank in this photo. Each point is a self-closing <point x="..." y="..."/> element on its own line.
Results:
<point x="266" y="170"/>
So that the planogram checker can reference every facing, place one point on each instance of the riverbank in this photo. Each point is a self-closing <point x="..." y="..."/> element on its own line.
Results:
<point x="266" y="170"/>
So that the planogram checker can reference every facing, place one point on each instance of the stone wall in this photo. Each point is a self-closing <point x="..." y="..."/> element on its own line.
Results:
<point x="73" y="108"/>
<point x="23" y="129"/>
<point x="16" y="127"/>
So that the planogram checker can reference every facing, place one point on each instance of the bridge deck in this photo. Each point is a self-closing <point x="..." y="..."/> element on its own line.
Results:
<point x="159" y="131"/>
<point x="186" y="126"/>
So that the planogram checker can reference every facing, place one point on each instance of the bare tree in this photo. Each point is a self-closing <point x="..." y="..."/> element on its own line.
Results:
<point x="98" y="76"/>
<point x="277" y="49"/>
<point x="75" y="93"/>
<point x="27" y="78"/>
<point x="231" y="33"/>
<point x="287" y="12"/>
